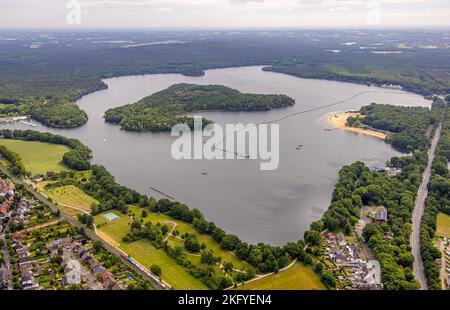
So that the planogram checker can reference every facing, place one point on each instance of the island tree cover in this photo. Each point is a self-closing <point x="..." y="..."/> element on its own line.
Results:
<point x="162" y="110"/>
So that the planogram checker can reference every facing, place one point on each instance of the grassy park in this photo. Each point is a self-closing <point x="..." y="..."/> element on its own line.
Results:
<point x="298" y="277"/>
<point x="145" y="253"/>
<point x="183" y="228"/>
<point x="38" y="157"/>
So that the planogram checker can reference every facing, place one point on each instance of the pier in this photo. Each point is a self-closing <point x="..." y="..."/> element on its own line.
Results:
<point x="162" y="193"/>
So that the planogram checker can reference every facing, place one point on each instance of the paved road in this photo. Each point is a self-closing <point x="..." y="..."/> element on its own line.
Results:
<point x="91" y="234"/>
<point x="422" y="193"/>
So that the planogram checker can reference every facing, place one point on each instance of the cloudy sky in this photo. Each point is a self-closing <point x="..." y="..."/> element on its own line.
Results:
<point x="223" y="13"/>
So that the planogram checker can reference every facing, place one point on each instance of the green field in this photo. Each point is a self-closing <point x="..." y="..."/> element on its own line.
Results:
<point x="443" y="225"/>
<point x="145" y="253"/>
<point x="298" y="277"/>
<point x="38" y="157"/>
<point x="72" y="196"/>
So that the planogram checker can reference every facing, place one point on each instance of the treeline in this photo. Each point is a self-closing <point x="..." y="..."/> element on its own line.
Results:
<point x="438" y="200"/>
<point x="161" y="111"/>
<point x="111" y="195"/>
<point x="408" y="125"/>
<point x="77" y="158"/>
<point x="367" y="69"/>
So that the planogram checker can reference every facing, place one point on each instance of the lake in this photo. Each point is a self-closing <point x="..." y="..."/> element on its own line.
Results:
<point x="269" y="206"/>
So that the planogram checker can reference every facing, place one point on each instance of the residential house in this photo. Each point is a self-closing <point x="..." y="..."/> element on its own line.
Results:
<point x="381" y="215"/>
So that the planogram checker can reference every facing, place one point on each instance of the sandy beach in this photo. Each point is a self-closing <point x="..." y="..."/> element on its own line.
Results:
<point x="339" y="120"/>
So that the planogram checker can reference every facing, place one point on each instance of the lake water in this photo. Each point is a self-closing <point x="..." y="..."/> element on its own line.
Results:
<point x="270" y="206"/>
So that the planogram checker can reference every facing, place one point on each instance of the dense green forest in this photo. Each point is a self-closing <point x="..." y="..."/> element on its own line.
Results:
<point x="162" y="110"/>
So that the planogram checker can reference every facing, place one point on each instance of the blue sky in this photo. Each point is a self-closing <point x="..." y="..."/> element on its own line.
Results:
<point x="227" y="13"/>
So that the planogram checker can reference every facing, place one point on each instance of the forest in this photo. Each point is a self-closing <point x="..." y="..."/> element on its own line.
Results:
<point x="162" y="110"/>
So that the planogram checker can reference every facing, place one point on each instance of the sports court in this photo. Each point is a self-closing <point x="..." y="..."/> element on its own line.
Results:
<point x="111" y="216"/>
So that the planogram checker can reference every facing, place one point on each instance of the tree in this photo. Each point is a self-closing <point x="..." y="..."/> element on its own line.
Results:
<point x="228" y="267"/>
<point x="191" y="244"/>
<point x="312" y="237"/>
<point x="156" y="270"/>
<point x="207" y="257"/>
<point x="229" y="242"/>
<point x="328" y="279"/>
<point x="136" y="224"/>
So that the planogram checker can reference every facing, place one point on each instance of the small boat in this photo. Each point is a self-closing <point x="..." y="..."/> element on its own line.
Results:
<point x="298" y="148"/>
<point x="204" y="173"/>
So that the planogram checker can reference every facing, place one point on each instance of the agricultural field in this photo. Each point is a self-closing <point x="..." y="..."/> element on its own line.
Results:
<point x="38" y="157"/>
<point x="298" y="277"/>
<point x="443" y="225"/>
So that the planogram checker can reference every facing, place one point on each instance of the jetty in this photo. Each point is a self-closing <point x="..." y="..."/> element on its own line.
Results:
<point x="162" y="193"/>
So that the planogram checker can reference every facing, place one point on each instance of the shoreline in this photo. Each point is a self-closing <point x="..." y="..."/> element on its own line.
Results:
<point x="339" y="121"/>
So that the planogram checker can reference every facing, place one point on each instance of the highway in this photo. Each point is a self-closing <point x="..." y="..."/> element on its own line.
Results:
<point x="419" y="207"/>
<point x="89" y="232"/>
